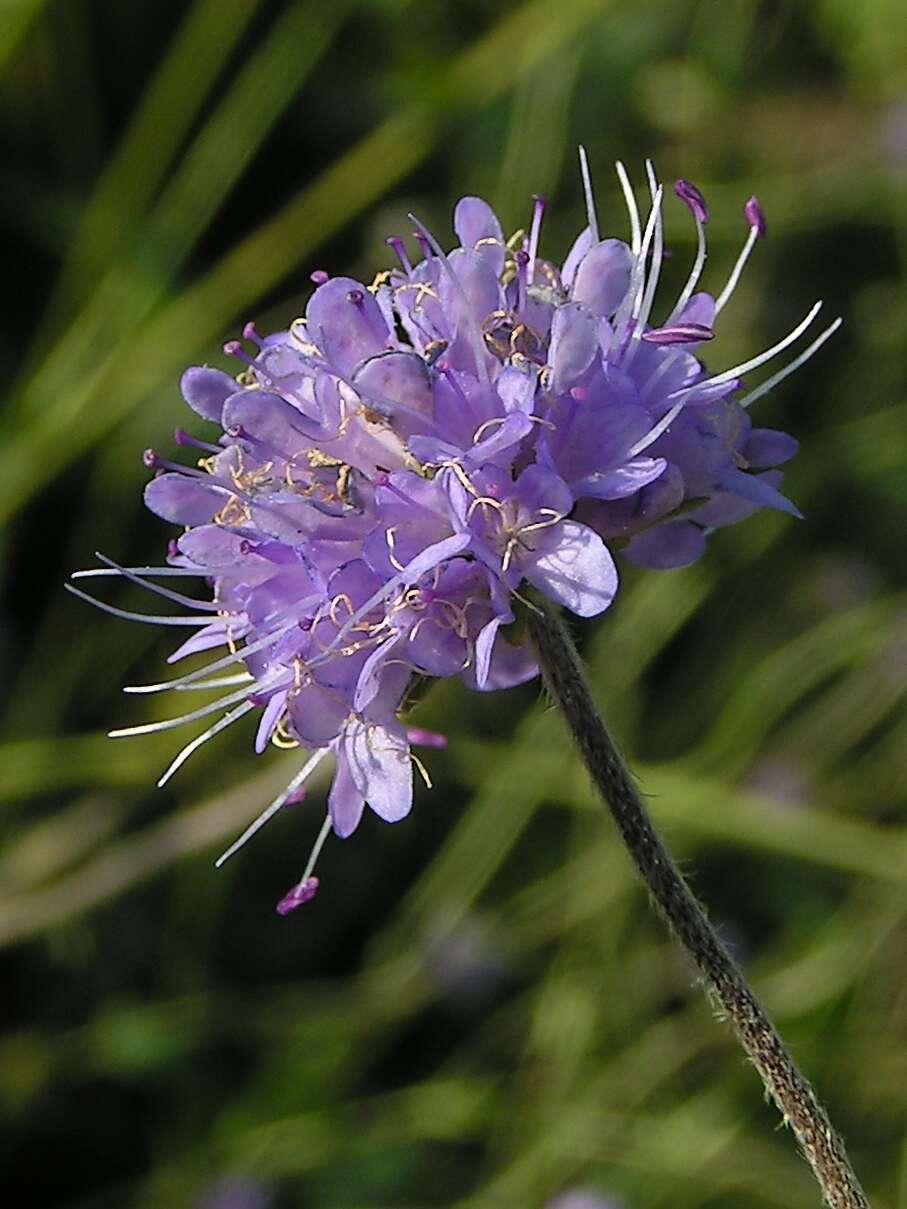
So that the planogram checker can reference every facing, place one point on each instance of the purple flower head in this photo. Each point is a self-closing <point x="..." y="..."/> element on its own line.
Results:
<point x="382" y="480"/>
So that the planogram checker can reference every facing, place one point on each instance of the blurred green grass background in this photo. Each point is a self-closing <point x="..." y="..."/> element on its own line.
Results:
<point x="478" y="1010"/>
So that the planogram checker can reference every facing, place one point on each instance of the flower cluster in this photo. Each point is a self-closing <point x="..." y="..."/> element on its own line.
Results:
<point x="390" y="471"/>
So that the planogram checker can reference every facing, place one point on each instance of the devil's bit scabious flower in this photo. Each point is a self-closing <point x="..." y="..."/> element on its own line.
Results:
<point x="391" y="469"/>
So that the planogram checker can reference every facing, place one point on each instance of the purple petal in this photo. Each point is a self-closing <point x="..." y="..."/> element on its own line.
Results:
<point x="380" y="767"/>
<point x="345" y="322"/>
<point x="768" y="447"/>
<point x="754" y="488"/>
<point x="478" y="229"/>
<point x="345" y="802"/>
<point x="184" y="500"/>
<point x="205" y="390"/>
<point x="212" y="546"/>
<point x="668" y="546"/>
<point x="574" y="344"/>
<point x="396" y="378"/>
<point x="576" y="570"/>
<point x="623" y="481"/>
<point x="581" y="246"/>
<point x="603" y="277"/>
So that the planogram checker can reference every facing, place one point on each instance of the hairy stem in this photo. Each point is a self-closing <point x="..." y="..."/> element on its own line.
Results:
<point x="676" y="903"/>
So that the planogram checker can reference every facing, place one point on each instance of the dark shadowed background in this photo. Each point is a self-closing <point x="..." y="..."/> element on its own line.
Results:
<point x="477" y="1010"/>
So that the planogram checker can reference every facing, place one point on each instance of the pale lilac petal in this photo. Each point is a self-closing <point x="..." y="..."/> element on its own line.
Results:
<point x="603" y="277"/>
<point x="380" y="767"/>
<point x="345" y="802"/>
<point x="575" y="570"/>
<point x="574" y="344"/>
<point x="183" y="500"/>
<point x="206" y="389"/>
<point x="479" y="230"/>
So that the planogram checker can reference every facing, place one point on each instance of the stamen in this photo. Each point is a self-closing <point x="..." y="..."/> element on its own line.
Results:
<point x="149" y="728"/>
<point x="689" y="194"/>
<point x="268" y="813"/>
<point x="181" y="437"/>
<point x="772" y="382"/>
<point x="591" y="218"/>
<point x="761" y="359"/>
<point x="319" y="276"/>
<point x="127" y="615"/>
<point x="632" y="208"/>
<point x="538" y="210"/>
<point x="395" y="242"/>
<point x="200" y="740"/>
<point x="167" y="593"/>
<point x="756" y="219"/>
<point x="202" y="573"/>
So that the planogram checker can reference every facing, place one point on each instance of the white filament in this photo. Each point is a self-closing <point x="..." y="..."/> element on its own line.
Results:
<point x="150" y="728"/>
<point x="772" y="382"/>
<point x="635" y="226"/>
<point x="221" y="724"/>
<point x="591" y="217"/>
<point x="270" y="811"/>
<point x="738" y="268"/>
<point x="127" y="615"/>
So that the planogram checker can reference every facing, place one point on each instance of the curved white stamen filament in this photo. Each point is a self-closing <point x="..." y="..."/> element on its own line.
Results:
<point x="695" y="273"/>
<point x="218" y="665"/>
<point x="632" y="303"/>
<point x="632" y="208"/>
<point x="94" y="571"/>
<point x="772" y="382"/>
<point x="190" y="748"/>
<point x="149" y="728"/>
<point x="591" y="217"/>
<point x="218" y="682"/>
<point x="655" y="432"/>
<point x="316" y="847"/>
<point x="657" y="196"/>
<point x="269" y="811"/>
<point x="127" y="615"/>
<point x="167" y="593"/>
<point x="724" y="297"/>
<point x="761" y="358"/>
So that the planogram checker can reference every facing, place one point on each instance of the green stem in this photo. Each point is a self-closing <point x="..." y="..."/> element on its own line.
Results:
<point x="678" y="906"/>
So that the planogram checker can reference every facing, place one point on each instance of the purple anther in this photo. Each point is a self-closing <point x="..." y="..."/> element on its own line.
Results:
<point x="233" y="348"/>
<point x="754" y="216"/>
<point x="299" y="794"/>
<point x="173" y="549"/>
<point x="181" y="437"/>
<point x="356" y="297"/>
<point x="245" y="546"/>
<point x="692" y="197"/>
<point x="579" y="393"/>
<point x="149" y="457"/>
<point x="381" y="478"/>
<point x="521" y="257"/>
<point x="250" y="333"/>
<point x="425" y="738"/>
<point x="679" y="333"/>
<point x="319" y="276"/>
<point x="303" y="893"/>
